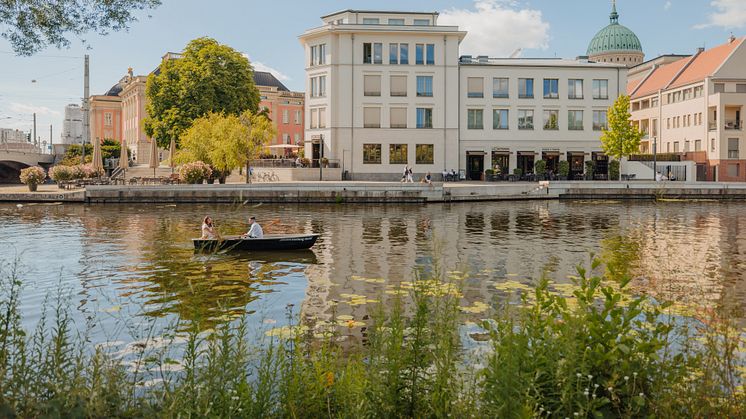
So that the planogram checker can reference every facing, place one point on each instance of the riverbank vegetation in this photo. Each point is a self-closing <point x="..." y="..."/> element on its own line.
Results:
<point x="588" y="349"/>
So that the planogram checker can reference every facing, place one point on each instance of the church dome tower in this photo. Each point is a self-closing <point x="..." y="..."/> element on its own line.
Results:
<point x="616" y="43"/>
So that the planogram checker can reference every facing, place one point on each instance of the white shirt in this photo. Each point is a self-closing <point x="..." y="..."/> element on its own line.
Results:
<point x="255" y="231"/>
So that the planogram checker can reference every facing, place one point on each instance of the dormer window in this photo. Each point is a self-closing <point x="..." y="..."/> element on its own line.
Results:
<point x="422" y="22"/>
<point x="396" y="22"/>
<point x="371" y="21"/>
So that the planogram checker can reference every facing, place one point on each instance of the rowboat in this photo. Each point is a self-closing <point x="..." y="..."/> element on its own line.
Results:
<point x="268" y="243"/>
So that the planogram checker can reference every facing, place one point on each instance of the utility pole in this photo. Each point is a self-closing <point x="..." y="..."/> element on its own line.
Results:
<point x="50" y="138"/>
<point x="34" y="136"/>
<point x="86" y="118"/>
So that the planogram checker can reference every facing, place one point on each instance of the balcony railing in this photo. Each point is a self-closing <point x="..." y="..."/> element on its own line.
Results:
<point x="732" y="154"/>
<point x="733" y="125"/>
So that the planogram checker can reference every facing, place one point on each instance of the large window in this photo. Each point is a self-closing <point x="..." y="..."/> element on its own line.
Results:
<point x="500" y="119"/>
<point x="424" y="86"/>
<point x="372" y="85"/>
<point x="372" y="53"/>
<point x="601" y="89"/>
<point x="398" y="154"/>
<point x="526" y="88"/>
<point x="371" y="154"/>
<point x="525" y="119"/>
<point x="424" y="154"/>
<point x="425" y="54"/>
<point x="475" y="87"/>
<point x="500" y="87"/>
<point x="318" y="86"/>
<point x="398" y="53"/>
<point x="430" y="48"/>
<point x="398" y="118"/>
<point x="551" y="88"/>
<point x="285" y="116"/>
<point x="314" y="119"/>
<point x="424" y="117"/>
<point x="398" y="86"/>
<point x="108" y="119"/>
<point x="318" y="55"/>
<point x="575" y="120"/>
<point x="551" y="120"/>
<point x="733" y="148"/>
<point x="322" y="117"/>
<point x="600" y="122"/>
<point x="475" y="119"/>
<point x="372" y="117"/>
<point x="575" y="88"/>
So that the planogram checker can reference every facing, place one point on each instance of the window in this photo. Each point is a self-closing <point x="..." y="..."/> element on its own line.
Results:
<point x="398" y="85"/>
<point x="526" y="88"/>
<point x="475" y="87"/>
<point x="686" y="146"/>
<point x="500" y="87"/>
<point x="551" y="88"/>
<point x="318" y="86"/>
<point x="372" y="85"/>
<point x="734" y="170"/>
<point x="396" y="22"/>
<point x="314" y="118"/>
<point x="741" y="88"/>
<point x="285" y="116"/>
<point x="575" y="120"/>
<point x="398" y="53"/>
<point x="697" y="145"/>
<point x="419" y="54"/>
<point x="675" y="146"/>
<point x="732" y="148"/>
<point x="322" y="117"/>
<point x="430" y="54"/>
<point x="372" y="53"/>
<point x="551" y="120"/>
<point x="475" y="119"/>
<point x="286" y="138"/>
<point x="424" y="118"/>
<point x="575" y="89"/>
<point x="108" y="119"/>
<point x="601" y="90"/>
<point x="712" y="144"/>
<point x="318" y="55"/>
<point x="425" y="86"/>
<point x="398" y="154"/>
<point x="371" y="154"/>
<point x="424" y="154"/>
<point x="372" y="117"/>
<point x="398" y="118"/>
<point x="370" y="21"/>
<point x="297" y="117"/>
<point x="425" y="54"/>
<point x="500" y="119"/>
<point x="600" y="121"/>
<point x="719" y="87"/>
<point x="422" y="22"/>
<point x="525" y="119"/>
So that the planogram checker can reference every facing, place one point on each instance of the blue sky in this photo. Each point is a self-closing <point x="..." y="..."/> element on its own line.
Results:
<point x="267" y="32"/>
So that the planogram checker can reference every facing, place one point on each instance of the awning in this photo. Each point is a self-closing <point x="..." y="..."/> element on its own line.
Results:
<point x="526" y="153"/>
<point x="293" y="146"/>
<point x="475" y="153"/>
<point x="576" y="153"/>
<point x="551" y="152"/>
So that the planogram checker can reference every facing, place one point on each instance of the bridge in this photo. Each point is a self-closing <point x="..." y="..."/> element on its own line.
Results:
<point x="12" y="161"/>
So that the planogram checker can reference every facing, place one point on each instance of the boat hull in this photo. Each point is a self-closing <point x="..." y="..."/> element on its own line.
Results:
<point x="268" y="243"/>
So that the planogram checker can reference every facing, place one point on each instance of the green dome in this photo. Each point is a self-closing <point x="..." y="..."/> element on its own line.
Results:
<point x="614" y="38"/>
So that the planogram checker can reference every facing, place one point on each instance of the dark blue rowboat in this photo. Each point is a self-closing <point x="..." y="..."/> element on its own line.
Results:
<point x="268" y="243"/>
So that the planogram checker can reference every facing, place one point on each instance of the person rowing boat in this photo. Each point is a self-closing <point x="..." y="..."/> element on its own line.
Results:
<point x="255" y="230"/>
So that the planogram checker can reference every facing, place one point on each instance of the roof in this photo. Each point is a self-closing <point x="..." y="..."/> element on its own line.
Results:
<point x="535" y="62"/>
<point x="114" y="90"/>
<point x="614" y="38"/>
<point x="382" y="12"/>
<point x="264" y="78"/>
<point x="686" y="70"/>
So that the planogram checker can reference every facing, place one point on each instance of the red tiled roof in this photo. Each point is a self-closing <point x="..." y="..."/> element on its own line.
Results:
<point x="632" y="85"/>
<point x="661" y="77"/>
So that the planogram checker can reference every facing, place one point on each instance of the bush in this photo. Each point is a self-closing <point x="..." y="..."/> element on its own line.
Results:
<point x="489" y="172"/>
<point x="563" y="168"/>
<point x="33" y="175"/>
<point x="518" y="171"/>
<point x="614" y="170"/>
<point x="540" y="167"/>
<point x="61" y="173"/>
<point x="195" y="172"/>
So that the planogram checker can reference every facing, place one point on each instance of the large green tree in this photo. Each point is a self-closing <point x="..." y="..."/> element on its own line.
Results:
<point x="209" y="77"/>
<point x="621" y="138"/>
<point x="32" y="25"/>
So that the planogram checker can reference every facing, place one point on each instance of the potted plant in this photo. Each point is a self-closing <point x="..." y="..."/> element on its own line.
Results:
<point x="563" y="168"/>
<point x="325" y="162"/>
<point x="540" y="169"/>
<point x="195" y="172"/>
<point x="489" y="175"/>
<point x="33" y="176"/>
<point x="614" y="170"/>
<point x="590" y="167"/>
<point x="61" y="174"/>
<point x="305" y="162"/>
<point x="518" y="173"/>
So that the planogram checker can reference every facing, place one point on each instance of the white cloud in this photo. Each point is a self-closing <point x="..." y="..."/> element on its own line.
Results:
<point x="668" y="5"/>
<point x="260" y="66"/>
<point x="21" y="108"/>
<point x="729" y="14"/>
<point x="498" y="27"/>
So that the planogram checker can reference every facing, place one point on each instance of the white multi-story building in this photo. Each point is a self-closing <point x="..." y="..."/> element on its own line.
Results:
<point x="9" y="135"/>
<point x="388" y="89"/>
<point x="72" y="125"/>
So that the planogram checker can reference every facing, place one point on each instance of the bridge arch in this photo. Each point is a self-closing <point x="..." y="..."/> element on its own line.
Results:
<point x="10" y="171"/>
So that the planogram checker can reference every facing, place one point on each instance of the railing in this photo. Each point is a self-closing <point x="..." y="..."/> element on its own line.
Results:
<point x="290" y="163"/>
<point x="733" y="125"/>
<point x="668" y="172"/>
<point x="733" y="154"/>
<point x="658" y="157"/>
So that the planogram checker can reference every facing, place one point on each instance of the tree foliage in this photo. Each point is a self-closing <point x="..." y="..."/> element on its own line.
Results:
<point x="621" y="138"/>
<point x="225" y="142"/>
<point x="32" y="25"/>
<point x="209" y="77"/>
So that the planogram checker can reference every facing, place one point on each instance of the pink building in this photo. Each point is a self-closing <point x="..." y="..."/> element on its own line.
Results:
<point x="285" y="110"/>
<point x="106" y="115"/>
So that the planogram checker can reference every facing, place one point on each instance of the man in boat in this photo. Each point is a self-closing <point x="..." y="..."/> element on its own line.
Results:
<point x="255" y="230"/>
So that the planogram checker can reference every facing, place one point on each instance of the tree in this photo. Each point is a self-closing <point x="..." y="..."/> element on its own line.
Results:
<point x="32" y="25"/>
<point x="209" y="77"/>
<point x="262" y="130"/>
<point x="621" y="138"/>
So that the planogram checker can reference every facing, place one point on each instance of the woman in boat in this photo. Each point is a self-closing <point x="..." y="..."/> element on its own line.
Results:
<point x="208" y="230"/>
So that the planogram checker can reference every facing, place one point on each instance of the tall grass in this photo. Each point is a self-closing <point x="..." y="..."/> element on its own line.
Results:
<point x="594" y="352"/>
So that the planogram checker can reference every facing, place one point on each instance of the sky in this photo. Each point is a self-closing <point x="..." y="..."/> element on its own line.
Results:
<point x="268" y="33"/>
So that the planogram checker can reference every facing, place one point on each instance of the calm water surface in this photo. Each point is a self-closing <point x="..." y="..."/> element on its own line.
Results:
<point x="125" y="265"/>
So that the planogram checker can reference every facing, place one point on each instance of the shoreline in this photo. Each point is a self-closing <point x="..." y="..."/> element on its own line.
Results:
<point x="378" y="192"/>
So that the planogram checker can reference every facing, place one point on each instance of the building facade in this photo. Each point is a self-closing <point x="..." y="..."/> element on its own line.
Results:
<point x="133" y="115"/>
<point x="388" y="90"/>
<point x="106" y="115"/>
<point x="9" y="135"/>
<point x="72" y="125"/>
<point x="693" y="107"/>
<point x="616" y="44"/>
<point x="285" y="109"/>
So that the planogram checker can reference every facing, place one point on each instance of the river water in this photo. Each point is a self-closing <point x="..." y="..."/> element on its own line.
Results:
<point x="122" y="266"/>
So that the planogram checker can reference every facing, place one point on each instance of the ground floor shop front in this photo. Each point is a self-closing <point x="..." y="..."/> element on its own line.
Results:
<point x="520" y="163"/>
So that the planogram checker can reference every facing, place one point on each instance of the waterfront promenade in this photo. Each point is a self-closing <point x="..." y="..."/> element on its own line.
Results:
<point x="376" y="192"/>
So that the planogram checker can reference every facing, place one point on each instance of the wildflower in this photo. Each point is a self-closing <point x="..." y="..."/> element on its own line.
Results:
<point x="585" y="393"/>
<point x="610" y="389"/>
<point x="595" y="386"/>
<point x="579" y="375"/>
<point x="576" y="414"/>
<point x="642" y="394"/>
<point x="329" y="379"/>
<point x="590" y="377"/>
<point x="626" y="378"/>
<point x="635" y="374"/>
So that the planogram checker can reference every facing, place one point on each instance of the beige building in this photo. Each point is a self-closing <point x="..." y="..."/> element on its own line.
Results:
<point x="133" y="115"/>
<point x="692" y="107"/>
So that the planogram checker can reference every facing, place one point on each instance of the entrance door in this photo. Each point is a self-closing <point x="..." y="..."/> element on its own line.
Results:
<point x="601" y="168"/>
<point x="475" y="164"/>
<point x="315" y="154"/>
<point x="552" y="161"/>
<point x="576" y="166"/>
<point x="526" y="163"/>
<point x="500" y="163"/>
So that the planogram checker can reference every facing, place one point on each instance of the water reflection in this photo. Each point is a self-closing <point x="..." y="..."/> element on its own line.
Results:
<point x="142" y="255"/>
